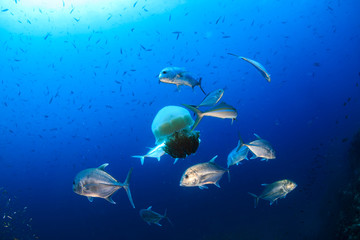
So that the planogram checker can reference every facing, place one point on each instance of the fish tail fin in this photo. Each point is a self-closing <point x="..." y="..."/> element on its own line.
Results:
<point x="199" y="114"/>
<point x="241" y="141"/>
<point x="127" y="187"/>
<point x="142" y="158"/>
<point x="256" y="199"/>
<point x="165" y="216"/>
<point x="201" y="86"/>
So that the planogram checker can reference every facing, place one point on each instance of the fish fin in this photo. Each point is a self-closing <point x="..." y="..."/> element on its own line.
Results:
<point x="271" y="203"/>
<point x="213" y="159"/>
<point x="102" y="167"/>
<point x="201" y="86"/>
<point x="257" y="136"/>
<point x="228" y="171"/>
<point x="158" y="158"/>
<point x="253" y="156"/>
<point x="264" y="184"/>
<point x="165" y="216"/>
<point x="109" y="199"/>
<point x="217" y="184"/>
<point x="199" y="115"/>
<point x="203" y="187"/>
<point x="241" y="142"/>
<point x="142" y="158"/>
<point x="176" y="159"/>
<point x="127" y="187"/>
<point x="264" y="159"/>
<point x="158" y="224"/>
<point x="256" y="199"/>
<point x="91" y="199"/>
<point x="178" y="87"/>
<point x="232" y="54"/>
<point x="149" y="208"/>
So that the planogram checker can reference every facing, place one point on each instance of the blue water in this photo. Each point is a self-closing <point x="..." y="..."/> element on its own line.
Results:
<point x="79" y="88"/>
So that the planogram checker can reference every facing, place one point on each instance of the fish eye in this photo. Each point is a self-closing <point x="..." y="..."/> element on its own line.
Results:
<point x="164" y="72"/>
<point x="186" y="176"/>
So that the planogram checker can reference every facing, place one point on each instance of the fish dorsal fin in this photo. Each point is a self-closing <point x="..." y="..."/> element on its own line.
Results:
<point x="102" y="167"/>
<point x="213" y="159"/>
<point x="258" y="137"/>
<point x="149" y="208"/>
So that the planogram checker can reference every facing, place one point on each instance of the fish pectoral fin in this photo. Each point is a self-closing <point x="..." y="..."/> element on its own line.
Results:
<point x="149" y="208"/>
<point x="217" y="184"/>
<point x="176" y="159"/>
<point x="158" y="224"/>
<point x="203" y="187"/>
<point x="253" y="156"/>
<point x="178" y="87"/>
<point x="109" y="199"/>
<point x="264" y="159"/>
<point x="91" y="199"/>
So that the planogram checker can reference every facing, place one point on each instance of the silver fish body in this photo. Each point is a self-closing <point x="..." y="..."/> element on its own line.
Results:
<point x="212" y="98"/>
<point x="203" y="173"/>
<point x="179" y="77"/>
<point x="257" y="65"/>
<point x="261" y="148"/>
<point x="156" y="152"/>
<point x="95" y="182"/>
<point x="275" y="191"/>
<point x="151" y="217"/>
<point x="236" y="156"/>
<point x="222" y="110"/>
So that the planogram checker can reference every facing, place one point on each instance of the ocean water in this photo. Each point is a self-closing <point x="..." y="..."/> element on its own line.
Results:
<point x="79" y="88"/>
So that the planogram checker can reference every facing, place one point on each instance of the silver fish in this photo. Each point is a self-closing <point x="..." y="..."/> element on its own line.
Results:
<point x="236" y="156"/>
<point x="95" y="182"/>
<point x="275" y="191"/>
<point x="203" y="173"/>
<point x="222" y="110"/>
<point x="149" y="216"/>
<point x="179" y="76"/>
<point x="260" y="148"/>
<point x="257" y="65"/>
<point x="212" y="98"/>
<point x="155" y="152"/>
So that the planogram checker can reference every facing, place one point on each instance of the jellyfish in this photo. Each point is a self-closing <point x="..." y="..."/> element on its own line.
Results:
<point x="172" y="125"/>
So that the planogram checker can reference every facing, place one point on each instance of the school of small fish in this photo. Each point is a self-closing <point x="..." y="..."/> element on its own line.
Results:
<point x="95" y="182"/>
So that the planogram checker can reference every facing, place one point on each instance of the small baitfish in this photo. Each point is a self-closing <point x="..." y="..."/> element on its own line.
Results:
<point x="155" y="152"/>
<point x="179" y="76"/>
<point x="203" y="173"/>
<point x="237" y="155"/>
<point x="212" y="98"/>
<point x="257" y="65"/>
<point x="275" y="191"/>
<point x="222" y="110"/>
<point x="95" y="182"/>
<point x="149" y="216"/>
<point x="260" y="148"/>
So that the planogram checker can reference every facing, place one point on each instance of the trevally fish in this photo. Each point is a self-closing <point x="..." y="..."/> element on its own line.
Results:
<point x="212" y="98"/>
<point x="95" y="182"/>
<point x="149" y="216"/>
<point x="257" y="65"/>
<point x="203" y="173"/>
<point x="222" y="110"/>
<point x="275" y="191"/>
<point x="179" y="76"/>
<point x="260" y="148"/>
<point x="155" y="152"/>
<point x="237" y="155"/>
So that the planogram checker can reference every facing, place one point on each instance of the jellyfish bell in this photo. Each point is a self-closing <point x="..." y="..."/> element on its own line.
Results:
<point x="172" y="125"/>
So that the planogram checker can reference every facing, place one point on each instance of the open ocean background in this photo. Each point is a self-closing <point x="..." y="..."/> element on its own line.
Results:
<point x="79" y="88"/>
